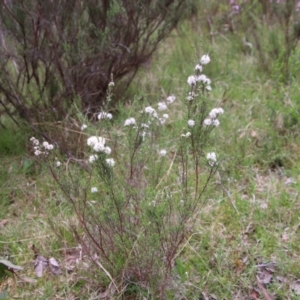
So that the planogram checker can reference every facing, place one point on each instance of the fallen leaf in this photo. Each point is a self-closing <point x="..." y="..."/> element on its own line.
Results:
<point x="54" y="266"/>
<point x="296" y="286"/>
<point x="289" y="181"/>
<point x="282" y="279"/>
<point x="242" y="135"/>
<point x="3" y="222"/>
<point x="254" y="134"/>
<point x="27" y="279"/>
<point x="72" y="258"/>
<point x="10" y="265"/>
<point x="39" y="265"/>
<point x="7" y="269"/>
<point x="264" y="276"/>
<point x="255" y="294"/>
<point x="285" y="237"/>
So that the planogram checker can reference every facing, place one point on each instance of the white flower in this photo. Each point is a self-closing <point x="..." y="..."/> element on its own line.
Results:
<point x="34" y="141"/>
<point x="215" y="112"/>
<point x="149" y="110"/>
<point x="57" y="163"/>
<point x="221" y="110"/>
<point x="191" y="123"/>
<point x="110" y="161"/>
<point x="163" y="152"/>
<point x="216" y="122"/>
<point x="191" y="96"/>
<point x="198" y="68"/>
<point x="92" y="158"/>
<point x="165" y="116"/>
<point x="205" y="59"/>
<point x="104" y="115"/>
<point x="191" y="80"/>
<point x="107" y="150"/>
<point x="94" y="140"/>
<point x="48" y="146"/>
<point x="143" y="134"/>
<point x="97" y="143"/>
<point x="207" y="122"/>
<point x="212" y="158"/>
<point x="143" y="125"/>
<point x="207" y="81"/>
<point x="171" y="99"/>
<point x="37" y="152"/>
<point x="162" y="121"/>
<point x="130" y="121"/>
<point x="208" y="87"/>
<point x="162" y="106"/>
<point x="99" y="147"/>
<point x="111" y="84"/>
<point x="94" y="190"/>
<point x="83" y="126"/>
<point x="203" y="78"/>
<point x="155" y="115"/>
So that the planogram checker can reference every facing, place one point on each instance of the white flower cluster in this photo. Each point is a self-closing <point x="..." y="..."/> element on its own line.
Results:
<point x="129" y="122"/>
<point x="191" y="123"/>
<point x="200" y="78"/>
<point x="163" y="152"/>
<point x="212" y="159"/>
<point x="152" y="113"/>
<point x="83" y="127"/>
<point x="212" y="117"/>
<point x="162" y="106"/>
<point x="110" y="162"/>
<point x="94" y="190"/>
<point x="191" y="96"/>
<point x="205" y="59"/>
<point x="98" y="145"/>
<point x="104" y="115"/>
<point x="171" y="99"/>
<point x="57" y="162"/>
<point x="92" y="158"/>
<point x="42" y="149"/>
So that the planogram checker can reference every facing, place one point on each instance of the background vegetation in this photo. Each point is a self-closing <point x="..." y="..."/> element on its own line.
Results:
<point x="245" y="242"/>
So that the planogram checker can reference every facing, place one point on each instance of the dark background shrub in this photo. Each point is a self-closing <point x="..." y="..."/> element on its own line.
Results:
<point x="59" y="54"/>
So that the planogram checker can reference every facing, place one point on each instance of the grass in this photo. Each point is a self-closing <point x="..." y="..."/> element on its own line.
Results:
<point x="251" y="214"/>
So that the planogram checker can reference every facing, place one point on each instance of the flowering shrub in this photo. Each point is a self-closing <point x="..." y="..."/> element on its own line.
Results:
<point x="142" y="195"/>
